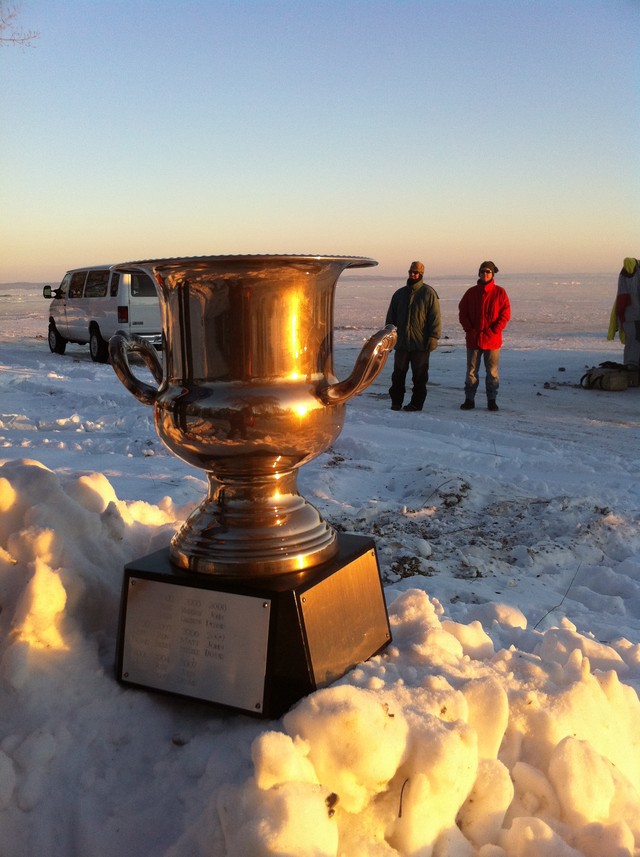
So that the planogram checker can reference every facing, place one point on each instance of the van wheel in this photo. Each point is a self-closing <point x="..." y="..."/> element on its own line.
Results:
<point x="98" y="348"/>
<point x="57" y="344"/>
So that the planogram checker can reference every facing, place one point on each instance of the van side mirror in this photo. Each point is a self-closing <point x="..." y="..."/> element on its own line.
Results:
<point x="46" y="292"/>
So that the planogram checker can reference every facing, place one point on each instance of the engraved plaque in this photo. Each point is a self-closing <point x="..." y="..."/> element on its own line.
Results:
<point x="207" y="644"/>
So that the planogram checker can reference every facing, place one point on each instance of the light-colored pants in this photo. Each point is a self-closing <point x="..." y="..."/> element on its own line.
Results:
<point x="490" y="358"/>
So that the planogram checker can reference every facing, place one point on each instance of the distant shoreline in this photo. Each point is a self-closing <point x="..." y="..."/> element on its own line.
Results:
<point x="354" y="276"/>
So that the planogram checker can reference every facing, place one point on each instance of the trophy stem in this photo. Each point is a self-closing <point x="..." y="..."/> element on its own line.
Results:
<point x="253" y="526"/>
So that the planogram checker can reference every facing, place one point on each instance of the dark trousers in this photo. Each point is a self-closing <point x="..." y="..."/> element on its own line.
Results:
<point x="419" y="362"/>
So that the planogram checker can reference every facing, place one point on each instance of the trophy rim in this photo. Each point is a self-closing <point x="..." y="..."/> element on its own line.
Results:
<point x="346" y="261"/>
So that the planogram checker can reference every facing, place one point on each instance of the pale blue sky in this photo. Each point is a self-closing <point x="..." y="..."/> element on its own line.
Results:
<point x="445" y="130"/>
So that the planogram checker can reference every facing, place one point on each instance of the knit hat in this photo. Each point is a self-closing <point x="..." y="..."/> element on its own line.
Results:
<point x="490" y="266"/>
<point x="630" y="265"/>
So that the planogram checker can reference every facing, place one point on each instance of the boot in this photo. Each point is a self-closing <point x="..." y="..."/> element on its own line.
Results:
<point x="467" y="405"/>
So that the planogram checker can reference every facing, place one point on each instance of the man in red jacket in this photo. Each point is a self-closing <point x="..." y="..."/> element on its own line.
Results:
<point x="484" y="312"/>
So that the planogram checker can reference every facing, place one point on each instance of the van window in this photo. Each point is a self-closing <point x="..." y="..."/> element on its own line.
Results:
<point x="76" y="286"/>
<point x="142" y="286"/>
<point x="63" y="288"/>
<point x="96" y="284"/>
<point x="115" y="282"/>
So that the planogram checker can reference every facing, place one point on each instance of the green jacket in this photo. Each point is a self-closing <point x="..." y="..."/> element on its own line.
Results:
<point x="415" y="311"/>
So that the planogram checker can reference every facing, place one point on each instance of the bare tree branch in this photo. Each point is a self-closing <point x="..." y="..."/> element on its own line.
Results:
<point x="9" y="34"/>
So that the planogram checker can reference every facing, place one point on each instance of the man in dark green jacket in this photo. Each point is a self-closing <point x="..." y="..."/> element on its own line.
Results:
<point x="415" y="311"/>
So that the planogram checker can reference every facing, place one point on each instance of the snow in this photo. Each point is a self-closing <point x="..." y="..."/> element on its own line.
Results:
<point x="501" y="720"/>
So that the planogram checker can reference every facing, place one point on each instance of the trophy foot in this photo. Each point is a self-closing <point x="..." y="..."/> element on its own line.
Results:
<point x="248" y="539"/>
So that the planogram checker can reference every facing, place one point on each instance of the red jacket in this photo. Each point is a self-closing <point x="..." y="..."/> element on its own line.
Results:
<point x="484" y="312"/>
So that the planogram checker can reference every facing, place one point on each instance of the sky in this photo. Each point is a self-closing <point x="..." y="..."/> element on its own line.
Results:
<point x="450" y="132"/>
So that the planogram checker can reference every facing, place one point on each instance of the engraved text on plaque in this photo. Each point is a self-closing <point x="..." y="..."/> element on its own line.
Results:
<point x="196" y="642"/>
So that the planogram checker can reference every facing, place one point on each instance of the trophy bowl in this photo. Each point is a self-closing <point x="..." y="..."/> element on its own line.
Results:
<point x="247" y="392"/>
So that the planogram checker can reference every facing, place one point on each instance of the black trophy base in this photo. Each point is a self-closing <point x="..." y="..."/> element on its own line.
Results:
<point x="257" y="645"/>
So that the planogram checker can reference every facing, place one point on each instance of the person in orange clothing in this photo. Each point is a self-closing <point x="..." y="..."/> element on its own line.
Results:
<point x="483" y="312"/>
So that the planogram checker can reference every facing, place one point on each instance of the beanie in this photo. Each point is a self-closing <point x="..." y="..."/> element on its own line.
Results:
<point x="489" y="265"/>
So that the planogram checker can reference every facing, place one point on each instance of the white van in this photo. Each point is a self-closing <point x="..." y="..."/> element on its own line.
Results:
<point x="91" y="304"/>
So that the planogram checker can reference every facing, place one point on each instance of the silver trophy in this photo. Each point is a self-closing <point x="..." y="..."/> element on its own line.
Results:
<point x="247" y="392"/>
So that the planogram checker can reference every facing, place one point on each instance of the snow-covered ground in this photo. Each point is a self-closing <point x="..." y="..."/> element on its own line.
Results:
<point x="502" y="719"/>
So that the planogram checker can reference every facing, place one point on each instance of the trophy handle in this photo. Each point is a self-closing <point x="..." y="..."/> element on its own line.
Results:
<point x="121" y="345"/>
<point x="367" y="368"/>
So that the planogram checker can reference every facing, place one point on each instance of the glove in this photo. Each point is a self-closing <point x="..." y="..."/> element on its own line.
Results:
<point x="433" y="344"/>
